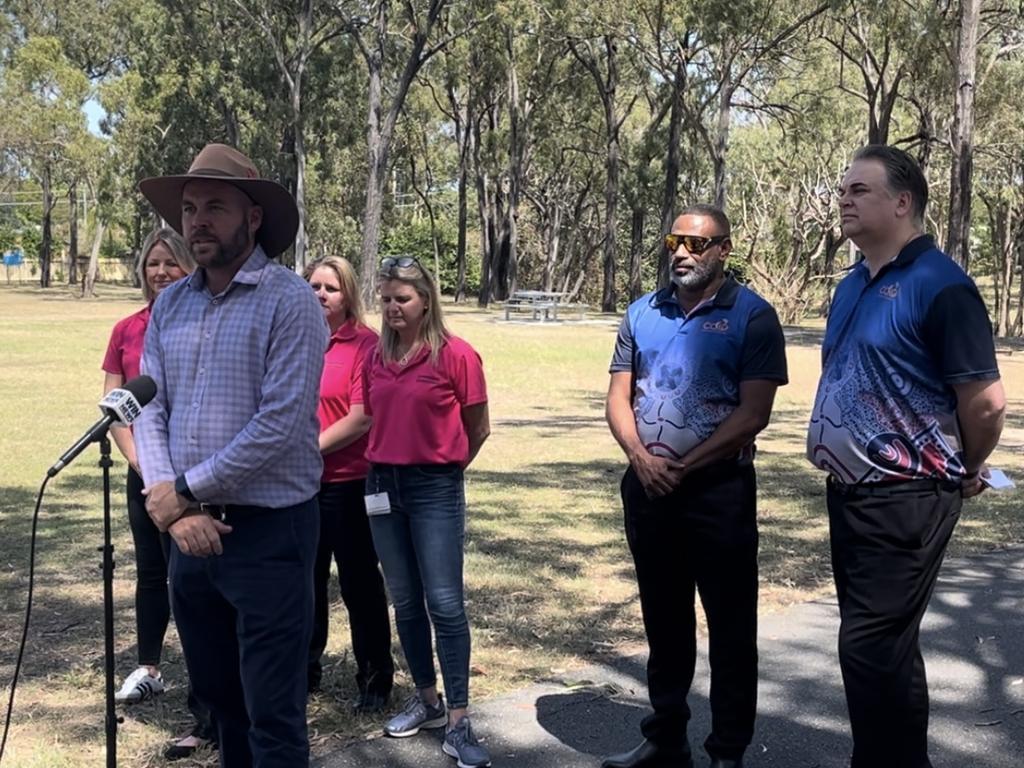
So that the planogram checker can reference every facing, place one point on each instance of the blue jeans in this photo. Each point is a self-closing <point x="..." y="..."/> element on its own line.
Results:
<point x="420" y="548"/>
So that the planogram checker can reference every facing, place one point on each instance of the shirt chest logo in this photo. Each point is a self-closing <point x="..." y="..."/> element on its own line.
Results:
<point x="716" y="326"/>
<point x="891" y="291"/>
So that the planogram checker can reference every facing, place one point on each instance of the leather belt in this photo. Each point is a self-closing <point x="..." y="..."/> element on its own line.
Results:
<point x="891" y="488"/>
<point x="223" y="511"/>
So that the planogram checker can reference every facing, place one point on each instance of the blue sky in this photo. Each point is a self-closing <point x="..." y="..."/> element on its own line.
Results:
<point x="93" y="113"/>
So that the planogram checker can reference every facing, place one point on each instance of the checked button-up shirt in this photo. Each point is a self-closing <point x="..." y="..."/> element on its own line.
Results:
<point x="238" y="377"/>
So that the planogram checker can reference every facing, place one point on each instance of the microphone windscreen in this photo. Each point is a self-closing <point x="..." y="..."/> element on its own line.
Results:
<point x="143" y="388"/>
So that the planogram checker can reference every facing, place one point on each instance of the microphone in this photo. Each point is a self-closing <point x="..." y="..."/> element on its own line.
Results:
<point x="121" y="405"/>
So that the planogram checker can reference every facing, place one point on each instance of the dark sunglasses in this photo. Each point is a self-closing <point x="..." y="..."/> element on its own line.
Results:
<point x="390" y="263"/>
<point x="694" y="244"/>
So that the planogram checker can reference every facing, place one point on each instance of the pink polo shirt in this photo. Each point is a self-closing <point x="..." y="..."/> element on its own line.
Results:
<point x="341" y="387"/>
<point x="417" y="408"/>
<point x="124" y="352"/>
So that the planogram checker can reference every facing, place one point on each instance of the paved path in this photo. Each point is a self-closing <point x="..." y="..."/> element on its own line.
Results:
<point x="973" y="641"/>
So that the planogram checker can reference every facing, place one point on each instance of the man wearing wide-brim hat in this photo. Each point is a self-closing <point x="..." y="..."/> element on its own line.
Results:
<point x="229" y="453"/>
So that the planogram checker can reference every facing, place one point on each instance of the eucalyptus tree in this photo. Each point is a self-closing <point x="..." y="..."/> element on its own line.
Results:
<point x="294" y="32"/>
<point x="395" y="40"/>
<point x="42" y="93"/>
<point x="600" y="58"/>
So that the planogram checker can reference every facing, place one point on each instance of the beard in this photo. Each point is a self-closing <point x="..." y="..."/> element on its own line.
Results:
<point x="700" y="276"/>
<point x="225" y="251"/>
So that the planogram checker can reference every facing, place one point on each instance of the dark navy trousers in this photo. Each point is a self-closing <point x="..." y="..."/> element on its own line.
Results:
<point x="245" y="619"/>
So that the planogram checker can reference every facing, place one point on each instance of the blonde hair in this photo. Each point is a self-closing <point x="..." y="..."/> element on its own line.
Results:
<point x="346" y="274"/>
<point x="174" y="243"/>
<point x="433" y="331"/>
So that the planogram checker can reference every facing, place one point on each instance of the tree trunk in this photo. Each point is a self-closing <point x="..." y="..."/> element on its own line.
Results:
<point x="668" y="199"/>
<point x="381" y="128"/>
<point x="483" y="205"/>
<point x="636" y="253"/>
<point x="463" y="139"/>
<point x="509" y="255"/>
<point x="611" y="186"/>
<point x="377" y="161"/>
<point x="89" y="287"/>
<point x="136" y="240"/>
<point x="301" y="237"/>
<point x="961" y="171"/>
<point x="719" y="156"/>
<point x="46" y="245"/>
<point x="72" y="270"/>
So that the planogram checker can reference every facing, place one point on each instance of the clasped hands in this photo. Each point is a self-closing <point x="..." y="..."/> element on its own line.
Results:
<point x="194" y="531"/>
<point x="657" y="474"/>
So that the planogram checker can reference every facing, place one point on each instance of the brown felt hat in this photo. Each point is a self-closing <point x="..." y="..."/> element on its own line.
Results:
<point x="220" y="162"/>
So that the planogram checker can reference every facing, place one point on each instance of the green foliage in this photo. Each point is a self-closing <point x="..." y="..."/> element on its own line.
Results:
<point x="414" y="238"/>
<point x="173" y="76"/>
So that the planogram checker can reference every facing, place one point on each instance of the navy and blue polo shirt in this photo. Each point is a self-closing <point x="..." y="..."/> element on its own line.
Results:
<point x="687" y="368"/>
<point x="894" y="346"/>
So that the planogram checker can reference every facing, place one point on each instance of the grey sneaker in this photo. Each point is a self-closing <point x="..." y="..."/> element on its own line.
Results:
<point x="461" y="743"/>
<point x="416" y="714"/>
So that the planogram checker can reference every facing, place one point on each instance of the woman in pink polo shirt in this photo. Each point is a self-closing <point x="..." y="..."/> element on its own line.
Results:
<point x="165" y="258"/>
<point x="344" y="528"/>
<point x="425" y="390"/>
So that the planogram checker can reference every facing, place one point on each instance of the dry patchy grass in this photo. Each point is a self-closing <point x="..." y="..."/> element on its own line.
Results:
<point x="550" y="582"/>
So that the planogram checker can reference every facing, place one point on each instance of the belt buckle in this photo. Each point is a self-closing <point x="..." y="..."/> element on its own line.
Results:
<point x="216" y="511"/>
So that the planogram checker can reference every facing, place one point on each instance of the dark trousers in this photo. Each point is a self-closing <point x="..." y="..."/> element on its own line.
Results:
<point x="245" y="618"/>
<point x="152" y="600"/>
<point x="345" y="536"/>
<point x="702" y="536"/>
<point x="152" y="549"/>
<point x="887" y="546"/>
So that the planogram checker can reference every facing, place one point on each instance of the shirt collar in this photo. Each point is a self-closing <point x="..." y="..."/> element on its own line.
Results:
<point x="248" y="274"/>
<point x="908" y="253"/>
<point x="724" y="298"/>
<point x="346" y="331"/>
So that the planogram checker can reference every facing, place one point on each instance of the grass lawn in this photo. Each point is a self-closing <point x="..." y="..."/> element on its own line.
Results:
<point x="549" y="577"/>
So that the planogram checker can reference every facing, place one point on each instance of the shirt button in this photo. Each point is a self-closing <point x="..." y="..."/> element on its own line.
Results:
<point x="207" y="335"/>
<point x="195" y="405"/>
<point x="216" y="301"/>
<point x="202" y="371"/>
<point x="192" y="439"/>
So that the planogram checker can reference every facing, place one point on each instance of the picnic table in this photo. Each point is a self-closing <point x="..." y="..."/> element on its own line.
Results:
<point x="535" y="302"/>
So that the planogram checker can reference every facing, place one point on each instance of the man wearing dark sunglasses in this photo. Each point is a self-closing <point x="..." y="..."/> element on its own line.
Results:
<point x="693" y="379"/>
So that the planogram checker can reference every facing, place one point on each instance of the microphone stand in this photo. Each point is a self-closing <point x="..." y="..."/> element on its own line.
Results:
<point x="108" y="606"/>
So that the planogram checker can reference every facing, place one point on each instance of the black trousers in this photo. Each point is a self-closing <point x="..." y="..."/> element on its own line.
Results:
<point x="152" y="599"/>
<point x="245" y="618"/>
<point x="887" y="545"/>
<point x="345" y="536"/>
<point x="703" y="537"/>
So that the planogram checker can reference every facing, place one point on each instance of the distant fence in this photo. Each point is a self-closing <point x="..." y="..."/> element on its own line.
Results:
<point x="24" y="269"/>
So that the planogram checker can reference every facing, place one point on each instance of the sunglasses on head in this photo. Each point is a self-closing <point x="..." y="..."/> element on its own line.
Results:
<point x="694" y="244"/>
<point x="390" y="263"/>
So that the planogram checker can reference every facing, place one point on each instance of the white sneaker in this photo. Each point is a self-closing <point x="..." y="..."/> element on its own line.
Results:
<point x="139" y="686"/>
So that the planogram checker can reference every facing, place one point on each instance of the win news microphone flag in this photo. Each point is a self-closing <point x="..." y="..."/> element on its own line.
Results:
<point x="121" y="405"/>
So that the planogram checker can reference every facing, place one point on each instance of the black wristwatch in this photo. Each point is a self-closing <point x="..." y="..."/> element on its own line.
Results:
<point x="182" y="489"/>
